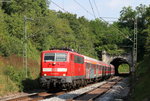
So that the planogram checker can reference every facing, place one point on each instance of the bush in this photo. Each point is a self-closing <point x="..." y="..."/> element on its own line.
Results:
<point x="15" y="75"/>
<point x="18" y="76"/>
<point x="6" y="84"/>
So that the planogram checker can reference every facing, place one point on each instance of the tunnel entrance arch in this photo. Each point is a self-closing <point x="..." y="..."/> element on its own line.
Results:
<point x="117" y="62"/>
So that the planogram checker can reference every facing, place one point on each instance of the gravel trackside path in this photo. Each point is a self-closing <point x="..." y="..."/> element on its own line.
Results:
<point x="118" y="92"/>
<point x="74" y="93"/>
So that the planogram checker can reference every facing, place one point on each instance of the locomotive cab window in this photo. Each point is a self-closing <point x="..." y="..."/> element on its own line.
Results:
<point x="49" y="57"/>
<point x="61" y="57"/>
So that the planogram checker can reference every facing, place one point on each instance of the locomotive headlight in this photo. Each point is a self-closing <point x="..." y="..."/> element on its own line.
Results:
<point x="64" y="74"/>
<point x="44" y="74"/>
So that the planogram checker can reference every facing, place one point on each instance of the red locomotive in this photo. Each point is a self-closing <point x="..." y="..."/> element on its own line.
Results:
<point x="69" y="69"/>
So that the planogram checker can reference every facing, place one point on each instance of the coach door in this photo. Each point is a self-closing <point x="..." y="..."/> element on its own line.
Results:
<point x="87" y="70"/>
<point x="91" y="70"/>
<point x="103" y="71"/>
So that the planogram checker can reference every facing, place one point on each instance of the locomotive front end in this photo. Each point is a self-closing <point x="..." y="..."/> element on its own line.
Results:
<point x="54" y="67"/>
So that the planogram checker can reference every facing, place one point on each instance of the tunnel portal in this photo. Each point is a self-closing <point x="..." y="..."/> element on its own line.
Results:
<point x="117" y="62"/>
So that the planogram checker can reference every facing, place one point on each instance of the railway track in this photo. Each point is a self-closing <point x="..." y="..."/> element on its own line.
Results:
<point x="89" y="95"/>
<point x="96" y="92"/>
<point x="37" y="96"/>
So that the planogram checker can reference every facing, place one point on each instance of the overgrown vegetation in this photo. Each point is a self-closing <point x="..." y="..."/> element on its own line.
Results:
<point x="46" y="29"/>
<point x="13" y="76"/>
<point x="142" y="88"/>
<point x="6" y="84"/>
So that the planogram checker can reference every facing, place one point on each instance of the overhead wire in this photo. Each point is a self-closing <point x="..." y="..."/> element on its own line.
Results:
<point x="107" y="21"/>
<point x="63" y="4"/>
<point x="83" y="8"/>
<point x="90" y="12"/>
<point x="109" y="17"/>
<point x="92" y="8"/>
<point x="97" y="9"/>
<point x="99" y="13"/>
<point x="59" y="6"/>
<point x="93" y="16"/>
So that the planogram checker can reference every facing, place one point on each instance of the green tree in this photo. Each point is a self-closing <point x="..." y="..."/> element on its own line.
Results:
<point x="147" y="30"/>
<point x="127" y="19"/>
<point x="26" y="7"/>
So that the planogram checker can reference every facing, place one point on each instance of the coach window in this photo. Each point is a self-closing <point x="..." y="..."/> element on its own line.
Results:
<point x="104" y="68"/>
<point x="87" y="65"/>
<point x="78" y="59"/>
<point x="99" y="67"/>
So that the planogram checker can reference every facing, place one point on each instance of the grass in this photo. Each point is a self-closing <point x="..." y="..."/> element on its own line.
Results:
<point x="7" y="86"/>
<point x="142" y="87"/>
<point x="12" y="75"/>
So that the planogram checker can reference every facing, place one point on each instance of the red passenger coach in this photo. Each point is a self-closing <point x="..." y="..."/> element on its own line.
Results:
<point x="66" y="68"/>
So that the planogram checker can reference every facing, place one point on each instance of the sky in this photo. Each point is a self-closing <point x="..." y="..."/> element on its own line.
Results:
<point x="102" y="8"/>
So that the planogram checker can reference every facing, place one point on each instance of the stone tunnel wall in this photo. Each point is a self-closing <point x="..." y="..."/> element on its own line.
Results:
<point x="107" y="58"/>
<point x="124" y="58"/>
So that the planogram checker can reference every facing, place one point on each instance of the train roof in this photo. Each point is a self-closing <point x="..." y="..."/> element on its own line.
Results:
<point x="65" y="51"/>
<point x="54" y="51"/>
<point x="87" y="59"/>
<point x="94" y="61"/>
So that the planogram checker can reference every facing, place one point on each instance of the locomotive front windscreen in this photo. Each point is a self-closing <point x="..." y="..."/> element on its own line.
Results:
<point x="55" y="57"/>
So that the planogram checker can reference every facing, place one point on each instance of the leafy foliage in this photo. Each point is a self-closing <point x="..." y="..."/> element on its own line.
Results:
<point x="127" y="20"/>
<point x="142" y="83"/>
<point x="48" y="29"/>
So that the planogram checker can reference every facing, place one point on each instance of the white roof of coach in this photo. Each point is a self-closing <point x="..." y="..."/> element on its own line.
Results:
<point x="88" y="58"/>
<point x="95" y="60"/>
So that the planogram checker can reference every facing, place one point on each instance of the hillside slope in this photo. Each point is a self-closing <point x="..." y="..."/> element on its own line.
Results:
<point x="142" y="87"/>
<point x="12" y="74"/>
